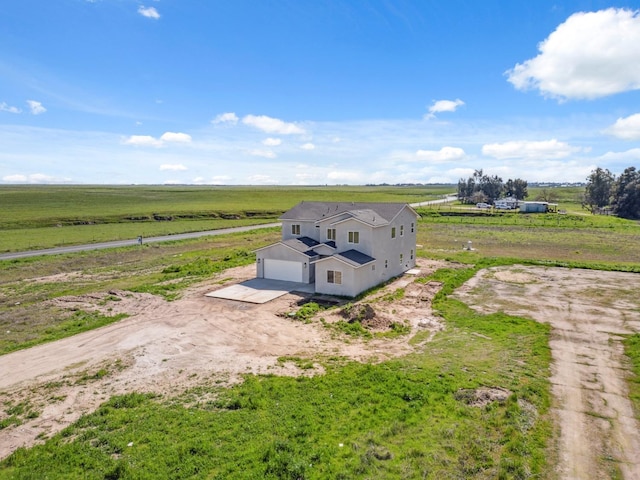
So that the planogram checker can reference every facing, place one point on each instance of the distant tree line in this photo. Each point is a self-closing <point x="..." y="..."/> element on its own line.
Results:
<point x="620" y="195"/>
<point x="484" y="188"/>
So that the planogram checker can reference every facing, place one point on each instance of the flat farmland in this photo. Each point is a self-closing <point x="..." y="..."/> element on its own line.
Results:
<point x="35" y="217"/>
<point x="116" y="358"/>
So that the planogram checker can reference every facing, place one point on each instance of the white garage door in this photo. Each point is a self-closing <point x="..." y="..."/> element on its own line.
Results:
<point x="283" y="270"/>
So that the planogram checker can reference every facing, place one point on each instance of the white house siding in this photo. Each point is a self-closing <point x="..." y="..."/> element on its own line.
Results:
<point x="307" y="229"/>
<point x="386" y="248"/>
<point x="354" y="280"/>
<point x="326" y="223"/>
<point x="278" y="251"/>
<point x="365" y="244"/>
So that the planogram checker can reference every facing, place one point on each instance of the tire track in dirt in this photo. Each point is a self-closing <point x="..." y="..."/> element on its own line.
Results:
<point x="599" y="436"/>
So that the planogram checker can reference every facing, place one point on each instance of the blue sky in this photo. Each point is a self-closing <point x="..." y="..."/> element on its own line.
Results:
<point x="308" y="92"/>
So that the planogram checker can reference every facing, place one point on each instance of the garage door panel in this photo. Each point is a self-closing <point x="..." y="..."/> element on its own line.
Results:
<point x="283" y="270"/>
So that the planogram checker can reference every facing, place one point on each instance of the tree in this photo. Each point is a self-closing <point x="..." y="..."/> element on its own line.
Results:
<point x="626" y="203"/>
<point x="492" y="187"/>
<point x="516" y="188"/>
<point x="600" y="184"/>
<point x="465" y="189"/>
<point x="547" y="195"/>
<point x="480" y="188"/>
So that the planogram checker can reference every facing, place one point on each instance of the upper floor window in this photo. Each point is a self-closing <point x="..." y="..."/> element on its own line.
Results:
<point x="401" y="258"/>
<point x="412" y="227"/>
<point x="295" y="229"/>
<point x="401" y="230"/>
<point x="393" y="232"/>
<point x="331" y="233"/>
<point x="354" y="237"/>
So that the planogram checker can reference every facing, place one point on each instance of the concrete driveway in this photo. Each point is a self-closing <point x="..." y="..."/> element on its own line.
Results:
<point x="260" y="290"/>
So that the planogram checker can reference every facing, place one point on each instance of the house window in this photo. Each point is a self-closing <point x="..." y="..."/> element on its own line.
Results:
<point x="401" y="258"/>
<point x="373" y="268"/>
<point x="401" y="230"/>
<point x="295" y="229"/>
<point x="354" y="237"/>
<point x="386" y="264"/>
<point x="331" y="233"/>
<point x="393" y="232"/>
<point x="411" y="254"/>
<point x="411" y="227"/>
<point x="334" y="276"/>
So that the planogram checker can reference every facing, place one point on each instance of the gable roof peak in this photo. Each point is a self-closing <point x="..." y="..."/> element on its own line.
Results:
<point x="377" y="212"/>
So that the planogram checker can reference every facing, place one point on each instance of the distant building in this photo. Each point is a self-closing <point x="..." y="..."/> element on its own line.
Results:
<point x="344" y="248"/>
<point x="538" y="207"/>
<point x="508" y="203"/>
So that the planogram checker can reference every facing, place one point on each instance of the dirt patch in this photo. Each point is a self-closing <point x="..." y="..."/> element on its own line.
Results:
<point x="588" y="310"/>
<point x="482" y="396"/>
<point x="168" y="347"/>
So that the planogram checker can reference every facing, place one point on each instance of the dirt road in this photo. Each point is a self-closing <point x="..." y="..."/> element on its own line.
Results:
<point x="588" y="310"/>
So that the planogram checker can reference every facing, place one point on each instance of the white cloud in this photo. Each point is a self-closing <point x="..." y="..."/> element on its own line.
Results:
<point x="35" y="178"/>
<point x="272" y="125"/>
<point x="216" y="180"/>
<point x="8" y="108"/>
<point x="271" y="142"/>
<point x="345" y="176"/>
<point x="228" y="117"/>
<point x="590" y="55"/>
<point x="36" y="107"/>
<point x="143" y="141"/>
<point x="18" y="178"/>
<point x="149" y="12"/>
<point x="626" y="128"/>
<point x="149" y="141"/>
<point x="303" y="177"/>
<point x="308" y="146"/>
<point x="261" y="179"/>
<point x="444" y="106"/>
<point x="220" y="179"/>
<point x="629" y="156"/>
<point x="174" y="167"/>
<point x="262" y="153"/>
<point x="547" y="149"/>
<point x="445" y="154"/>
<point x="175" y="137"/>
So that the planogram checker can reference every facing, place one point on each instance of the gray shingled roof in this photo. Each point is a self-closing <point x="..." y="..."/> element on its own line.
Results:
<point x="367" y="212"/>
<point x="354" y="257"/>
<point x="302" y="245"/>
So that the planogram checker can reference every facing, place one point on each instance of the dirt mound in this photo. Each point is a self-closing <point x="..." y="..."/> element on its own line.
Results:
<point x="482" y="396"/>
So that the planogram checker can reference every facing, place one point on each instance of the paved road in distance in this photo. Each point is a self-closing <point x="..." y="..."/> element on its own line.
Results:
<point x="130" y="242"/>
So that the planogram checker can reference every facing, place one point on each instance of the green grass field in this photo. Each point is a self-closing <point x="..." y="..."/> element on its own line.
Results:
<point x="36" y="217"/>
<point x="401" y="419"/>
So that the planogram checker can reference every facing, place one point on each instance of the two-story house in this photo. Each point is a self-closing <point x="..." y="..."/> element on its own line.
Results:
<point x="344" y="248"/>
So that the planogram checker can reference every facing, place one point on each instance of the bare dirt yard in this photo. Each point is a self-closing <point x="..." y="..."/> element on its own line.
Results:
<point x="588" y="311"/>
<point x="168" y="347"/>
